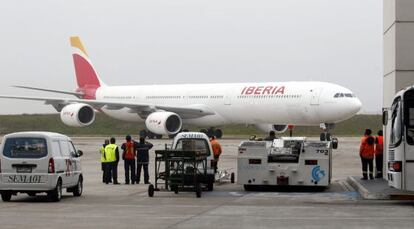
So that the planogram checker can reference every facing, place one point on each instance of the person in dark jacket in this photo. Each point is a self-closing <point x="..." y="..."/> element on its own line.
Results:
<point x="143" y="148"/>
<point x="128" y="155"/>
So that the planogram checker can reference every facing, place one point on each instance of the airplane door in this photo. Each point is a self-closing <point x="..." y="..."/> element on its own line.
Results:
<point x="315" y="95"/>
<point x="227" y="99"/>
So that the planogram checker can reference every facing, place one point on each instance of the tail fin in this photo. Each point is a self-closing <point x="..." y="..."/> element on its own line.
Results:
<point x="86" y="76"/>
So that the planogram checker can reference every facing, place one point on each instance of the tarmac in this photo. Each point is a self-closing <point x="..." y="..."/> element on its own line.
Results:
<point x="228" y="206"/>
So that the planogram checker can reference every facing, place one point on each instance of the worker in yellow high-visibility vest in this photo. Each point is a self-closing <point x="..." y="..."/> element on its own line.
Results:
<point x="103" y="159"/>
<point x="112" y="159"/>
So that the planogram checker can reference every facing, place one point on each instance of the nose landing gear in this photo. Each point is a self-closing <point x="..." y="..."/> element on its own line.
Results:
<point x="326" y="135"/>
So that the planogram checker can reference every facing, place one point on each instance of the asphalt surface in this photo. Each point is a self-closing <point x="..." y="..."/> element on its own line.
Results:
<point x="228" y="206"/>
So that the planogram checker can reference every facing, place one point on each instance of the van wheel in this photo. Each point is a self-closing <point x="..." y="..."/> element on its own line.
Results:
<point x="174" y="188"/>
<point x="151" y="190"/>
<point x="78" y="189"/>
<point x="210" y="186"/>
<point x="6" y="196"/>
<point x="56" y="194"/>
<point x="198" y="190"/>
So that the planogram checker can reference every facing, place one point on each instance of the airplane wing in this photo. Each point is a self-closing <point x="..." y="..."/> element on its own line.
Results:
<point x="77" y="94"/>
<point x="142" y="109"/>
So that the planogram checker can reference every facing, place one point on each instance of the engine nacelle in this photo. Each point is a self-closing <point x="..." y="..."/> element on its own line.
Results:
<point x="77" y="115"/>
<point x="164" y="122"/>
<point x="266" y="128"/>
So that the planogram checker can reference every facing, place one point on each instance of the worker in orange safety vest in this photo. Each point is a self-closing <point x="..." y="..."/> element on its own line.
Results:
<point x="215" y="145"/>
<point x="367" y="152"/>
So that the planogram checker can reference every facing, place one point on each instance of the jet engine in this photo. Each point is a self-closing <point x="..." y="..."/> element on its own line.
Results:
<point x="77" y="115"/>
<point x="275" y="127"/>
<point x="163" y="122"/>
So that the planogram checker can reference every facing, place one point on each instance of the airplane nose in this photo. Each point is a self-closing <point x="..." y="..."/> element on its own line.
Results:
<point x="356" y="106"/>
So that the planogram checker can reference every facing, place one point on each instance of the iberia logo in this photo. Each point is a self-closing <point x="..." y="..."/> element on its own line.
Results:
<point x="157" y="122"/>
<point x="263" y="90"/>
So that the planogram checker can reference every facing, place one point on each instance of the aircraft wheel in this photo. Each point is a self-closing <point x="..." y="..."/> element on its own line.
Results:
<point x="210" y="132"/>
<point x="204" y="131"/>
<point x="328" y="136"/>
<point x="151" y="135"/>
<point x="218" y="133"/>
<point x="322" y="137"/>
<point x="143" y="133"/>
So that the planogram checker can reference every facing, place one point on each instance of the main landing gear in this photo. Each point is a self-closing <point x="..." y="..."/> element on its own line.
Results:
<point x="326" y="135"/>
<point x="210" y="131"/>
<point x="149" y="134"/>
<point x="213" y="131"/>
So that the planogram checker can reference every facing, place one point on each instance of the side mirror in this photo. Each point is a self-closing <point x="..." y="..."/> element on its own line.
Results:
<point x="384" y="117"/>
<point x="79" y="153"/>
<point x="334" y="143"/>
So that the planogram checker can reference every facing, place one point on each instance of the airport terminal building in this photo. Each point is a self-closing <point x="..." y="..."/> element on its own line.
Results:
<point x="398" y="47"/>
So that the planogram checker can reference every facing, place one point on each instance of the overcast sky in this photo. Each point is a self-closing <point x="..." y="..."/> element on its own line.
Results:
<point x="191" y="41"/>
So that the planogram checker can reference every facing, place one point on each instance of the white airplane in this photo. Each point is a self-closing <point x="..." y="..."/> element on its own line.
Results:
<point x="164" y="108"/>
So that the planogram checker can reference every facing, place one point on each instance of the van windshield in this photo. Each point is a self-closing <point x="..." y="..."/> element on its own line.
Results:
<point x="193" y="145"/>
<point x="25" y="148"/>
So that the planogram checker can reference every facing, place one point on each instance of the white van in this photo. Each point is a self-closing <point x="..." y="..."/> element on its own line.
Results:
<point x="35" y="162"/>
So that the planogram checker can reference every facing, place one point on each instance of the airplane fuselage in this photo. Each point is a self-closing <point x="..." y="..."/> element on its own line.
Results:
<point x="297" y="103"/>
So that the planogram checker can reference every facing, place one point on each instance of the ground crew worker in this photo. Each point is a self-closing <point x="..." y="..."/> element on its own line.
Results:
<point x="103" y="159"/>
<point x="379" y="149"/>
<point x="143" y="148"/>
<point x="271" y="137"/>
<point x="128" y="155"/>
<point x="215" y="145"/>
<point x="366" y="152"/>
<point x="112" y="158"/>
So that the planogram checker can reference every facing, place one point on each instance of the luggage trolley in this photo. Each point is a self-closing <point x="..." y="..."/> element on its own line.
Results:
<point x="180" y="170"/>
